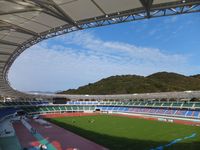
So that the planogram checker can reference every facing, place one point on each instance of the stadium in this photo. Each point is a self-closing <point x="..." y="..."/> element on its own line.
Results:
<point x="31" y="120"/>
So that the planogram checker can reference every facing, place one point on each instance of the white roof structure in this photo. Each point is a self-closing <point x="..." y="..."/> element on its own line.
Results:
<point x="136" y="96"/>
<point x="24" y="23"/>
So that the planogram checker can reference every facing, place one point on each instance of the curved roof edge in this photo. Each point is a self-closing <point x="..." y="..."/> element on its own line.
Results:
<point x="138" y="96"/>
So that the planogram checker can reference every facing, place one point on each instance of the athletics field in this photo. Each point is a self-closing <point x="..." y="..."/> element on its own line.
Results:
<point x="123" y="133"/>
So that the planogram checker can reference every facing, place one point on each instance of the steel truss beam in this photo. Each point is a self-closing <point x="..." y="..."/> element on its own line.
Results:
<point x="10" y="26"/>
<point x="119" y="17"/>
<point x="9" y="43"/>
<point x="51" y="8"/>
<point x="5" y="53"/>
<point x="138" y="15"/>
<point x="47" y="6"/>
<point x="19" y="11"/>
<point x="97" y="5"/>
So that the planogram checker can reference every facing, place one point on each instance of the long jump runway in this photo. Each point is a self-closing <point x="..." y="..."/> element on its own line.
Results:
<point x="62" y="139"/>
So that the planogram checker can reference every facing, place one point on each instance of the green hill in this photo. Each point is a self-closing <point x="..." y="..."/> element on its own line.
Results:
<point x="127" y="84"/>
<point x="196" y="76"/>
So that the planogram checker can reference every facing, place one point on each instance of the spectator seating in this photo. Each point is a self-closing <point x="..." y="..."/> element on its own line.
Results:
<point x="6" y="112"/>
<point x="167" y="108"/>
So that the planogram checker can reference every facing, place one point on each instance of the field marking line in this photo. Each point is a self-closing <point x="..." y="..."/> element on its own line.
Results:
<point x="174" y="142"/>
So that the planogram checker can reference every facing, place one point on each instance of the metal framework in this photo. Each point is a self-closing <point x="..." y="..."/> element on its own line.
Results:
<point x="148" y="9"/>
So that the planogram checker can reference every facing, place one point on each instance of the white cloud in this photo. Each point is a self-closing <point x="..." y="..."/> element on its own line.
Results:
<point x="82" y="58"/>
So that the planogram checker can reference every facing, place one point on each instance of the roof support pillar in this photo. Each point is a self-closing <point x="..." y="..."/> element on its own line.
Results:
<point x="147" y="5"/>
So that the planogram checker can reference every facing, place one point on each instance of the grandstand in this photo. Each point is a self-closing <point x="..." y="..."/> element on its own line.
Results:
<point x="180" y="109"/>
<point x="24" y="23"/>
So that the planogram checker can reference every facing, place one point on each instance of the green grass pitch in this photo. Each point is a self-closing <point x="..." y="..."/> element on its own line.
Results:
<point x="122" y="133"/>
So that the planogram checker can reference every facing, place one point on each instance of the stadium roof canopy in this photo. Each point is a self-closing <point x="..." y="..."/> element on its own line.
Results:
<point x="24" y="23"/>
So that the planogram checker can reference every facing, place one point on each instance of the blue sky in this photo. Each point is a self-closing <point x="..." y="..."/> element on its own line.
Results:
<point x="143" y="47"/>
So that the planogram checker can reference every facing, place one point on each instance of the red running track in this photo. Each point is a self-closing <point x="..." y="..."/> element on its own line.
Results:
<point x="68" y="115"/>
<point x="26" y="139"/>
<point x="63" y="139"/>
<point x="185" y="122"/>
